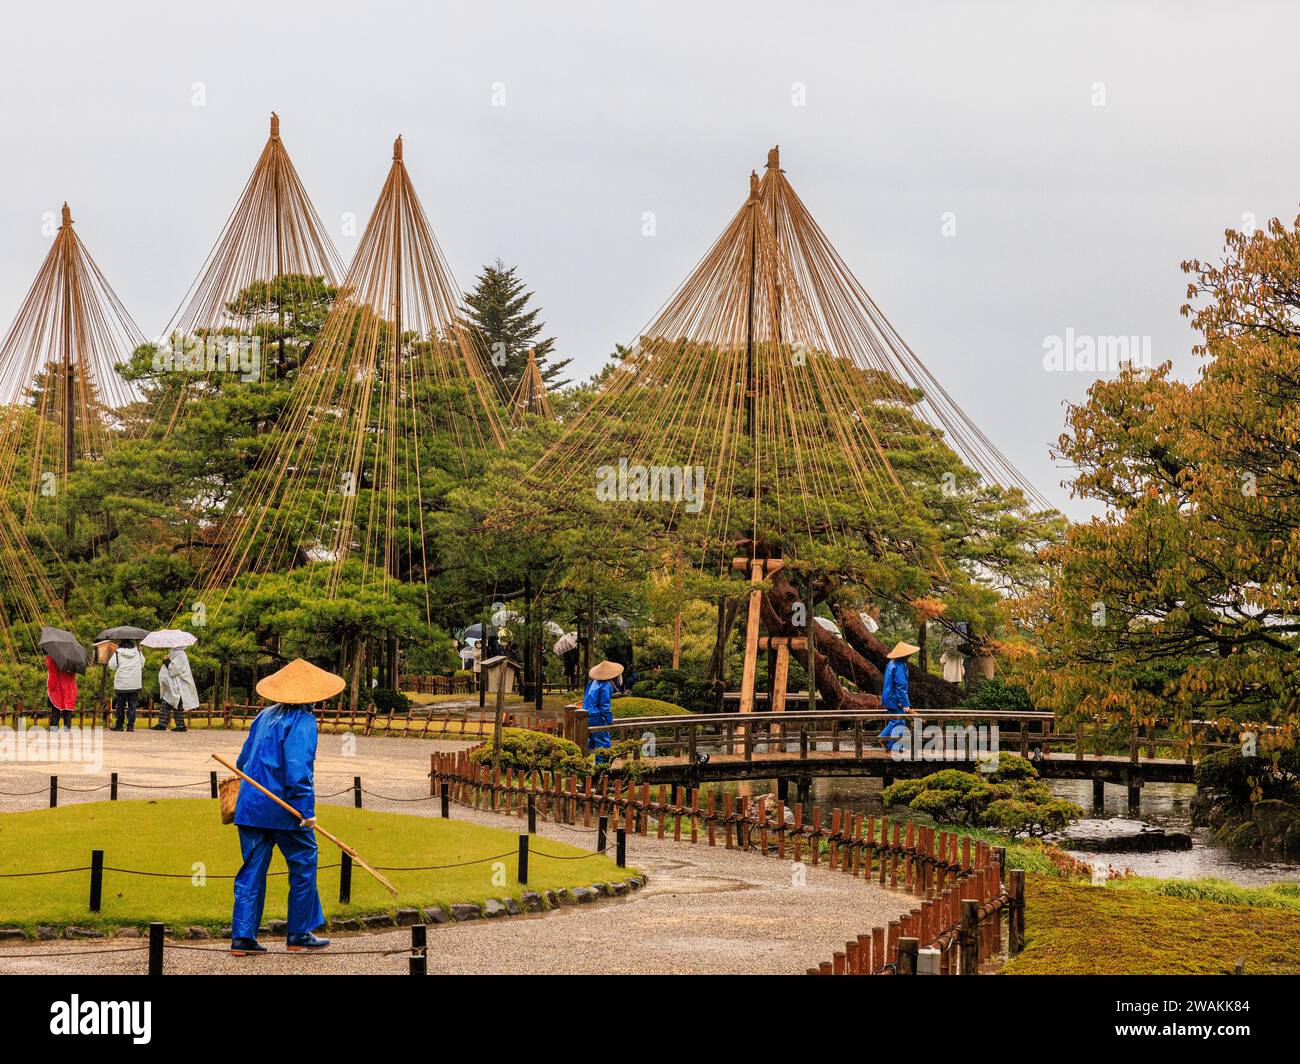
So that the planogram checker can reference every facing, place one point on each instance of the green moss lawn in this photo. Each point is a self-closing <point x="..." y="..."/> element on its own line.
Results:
<point x="177" y="835"/>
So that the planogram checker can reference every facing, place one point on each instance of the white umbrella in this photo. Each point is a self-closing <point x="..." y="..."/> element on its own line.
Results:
<point x="467" y="654"/>
<point x="169" y="639"/>
<point x="565" y="643"/>
<point x="869" y="621"/>
<point x="828" y="624"/>
<point x="504" y="617"/>
<point x="553" y="629"/>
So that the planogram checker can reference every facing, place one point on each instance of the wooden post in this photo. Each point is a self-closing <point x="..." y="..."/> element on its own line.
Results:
<point x="907" y="955"/>
<point x="96" y="879"/>
<point x="156" y="931"/>
<point x="969" y="937"/>
<point x="752" y="623"/>
<point x="1016" y="918"/>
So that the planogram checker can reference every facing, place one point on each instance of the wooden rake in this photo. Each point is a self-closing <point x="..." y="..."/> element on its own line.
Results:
<point x="388" y="886"/>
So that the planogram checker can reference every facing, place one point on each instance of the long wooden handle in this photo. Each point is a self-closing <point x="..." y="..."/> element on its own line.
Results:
<point x="290" y="809"/>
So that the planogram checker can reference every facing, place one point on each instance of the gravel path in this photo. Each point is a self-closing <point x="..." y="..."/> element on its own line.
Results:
<point x="705" y="910"/>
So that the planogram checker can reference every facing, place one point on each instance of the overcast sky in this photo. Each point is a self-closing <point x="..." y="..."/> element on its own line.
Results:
<point x="1081" y="151"/>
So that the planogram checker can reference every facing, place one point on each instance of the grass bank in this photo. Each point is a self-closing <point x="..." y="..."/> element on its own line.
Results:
<point x="185" y="839"/>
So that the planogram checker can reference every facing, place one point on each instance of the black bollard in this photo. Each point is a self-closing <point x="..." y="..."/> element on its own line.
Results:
<point x="345" y="878"/>
<point x="54" y="792"/>
<point x="212" y="784"/>
<point x="112" y="787"/>
<point x="620" y="847"/>
<point x="156" y="948"/>
<point x="356" y="791"/>
<point x="446" y="801"/>
<point x="532" y="814"/>
<point x="96" y="879"/>
<point x="602" y="834"/>
<point x="419" y="950"/>
<point x="523" y="860"/>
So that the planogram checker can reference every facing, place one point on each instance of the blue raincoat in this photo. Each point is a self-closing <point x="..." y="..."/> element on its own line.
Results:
<point x="893" y="695"/>
<point x="280" y="754"/>
<point x="596" y="701"/>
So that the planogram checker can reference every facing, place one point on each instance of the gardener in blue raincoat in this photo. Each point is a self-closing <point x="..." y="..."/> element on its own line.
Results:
<point x="893" y="691"/>
<point x="280" y="754"/>
<point x="596" y="701"/>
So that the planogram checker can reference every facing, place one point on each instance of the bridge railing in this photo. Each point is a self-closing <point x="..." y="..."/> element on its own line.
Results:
<point x="1031" y="734"/>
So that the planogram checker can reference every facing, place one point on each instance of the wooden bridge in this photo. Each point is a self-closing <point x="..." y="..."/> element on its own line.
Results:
<point x="799" y="747"/>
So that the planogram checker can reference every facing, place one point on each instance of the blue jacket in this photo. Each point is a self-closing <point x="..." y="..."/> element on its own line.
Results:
<point x="280" y="753"/>
<point x="596" y="701"/>
<point x="893" y="692"/>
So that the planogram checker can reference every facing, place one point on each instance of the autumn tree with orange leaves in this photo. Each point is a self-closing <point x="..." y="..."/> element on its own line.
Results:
<point x="1182" y="600"/>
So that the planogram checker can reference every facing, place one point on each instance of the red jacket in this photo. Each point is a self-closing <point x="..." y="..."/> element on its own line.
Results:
<point x="62" y="686"/>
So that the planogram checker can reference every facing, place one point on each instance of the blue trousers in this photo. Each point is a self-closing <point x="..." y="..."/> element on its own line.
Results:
<point x="299" y="848"/>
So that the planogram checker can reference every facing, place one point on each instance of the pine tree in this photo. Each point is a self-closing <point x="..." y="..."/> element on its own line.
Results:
<point x="498" y="307"/>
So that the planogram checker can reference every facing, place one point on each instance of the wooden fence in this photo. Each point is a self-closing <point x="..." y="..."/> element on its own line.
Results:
<point x="437" y="685"/>
<point x="420" y="722"/>
<point x="958" y="881"/>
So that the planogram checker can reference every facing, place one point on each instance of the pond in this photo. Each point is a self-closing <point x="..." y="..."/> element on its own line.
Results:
<point x="1165" y="804"/>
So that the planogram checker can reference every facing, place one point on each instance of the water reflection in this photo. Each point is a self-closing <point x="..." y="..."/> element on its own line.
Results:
<point x="1165" y="804"/>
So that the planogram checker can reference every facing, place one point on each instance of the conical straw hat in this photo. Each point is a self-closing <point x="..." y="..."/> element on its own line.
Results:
<point x="300" y="682"/>
<point x="606" y="670"/>
<point x="902" y="650"/>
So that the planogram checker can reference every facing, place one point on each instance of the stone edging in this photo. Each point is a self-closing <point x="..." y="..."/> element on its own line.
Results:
<point x="461" y="912"/>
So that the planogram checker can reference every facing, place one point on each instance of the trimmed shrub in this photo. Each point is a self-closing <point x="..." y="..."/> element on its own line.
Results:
<point x="634" y="706"/>
<point x="534" y="751"/>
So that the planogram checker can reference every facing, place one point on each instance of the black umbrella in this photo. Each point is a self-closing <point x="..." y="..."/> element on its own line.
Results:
<point x="124" y="631"/>
<point x="68" y="654"/>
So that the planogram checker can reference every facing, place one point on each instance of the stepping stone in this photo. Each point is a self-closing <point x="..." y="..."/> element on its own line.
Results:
<point x="436" y="915"/>
<point x="407" y="917"/>
<point x="463" y="912"/>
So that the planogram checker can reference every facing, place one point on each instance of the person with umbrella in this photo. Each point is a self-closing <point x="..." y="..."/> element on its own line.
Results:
<point x="127" y="664"/>
<point x="280" y="754"/>
<point x="64" y="658"/>
<point x="176" y="688"/>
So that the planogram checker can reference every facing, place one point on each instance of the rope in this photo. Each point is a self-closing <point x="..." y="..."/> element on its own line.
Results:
<point x="73" y="953"/>
<point x="56" y="872"/>
<point x="387" y="798"/>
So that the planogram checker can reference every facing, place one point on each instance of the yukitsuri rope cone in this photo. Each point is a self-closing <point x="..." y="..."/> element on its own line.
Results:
<point x="530" y="394"/>
<point x="395" y="375"/>
<point x="60" y="401"/>
<point x="273" y="253"/>
<point x="773" y="370"/>
<point x="944" y="871"/>
<point x="59" y="386"/>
